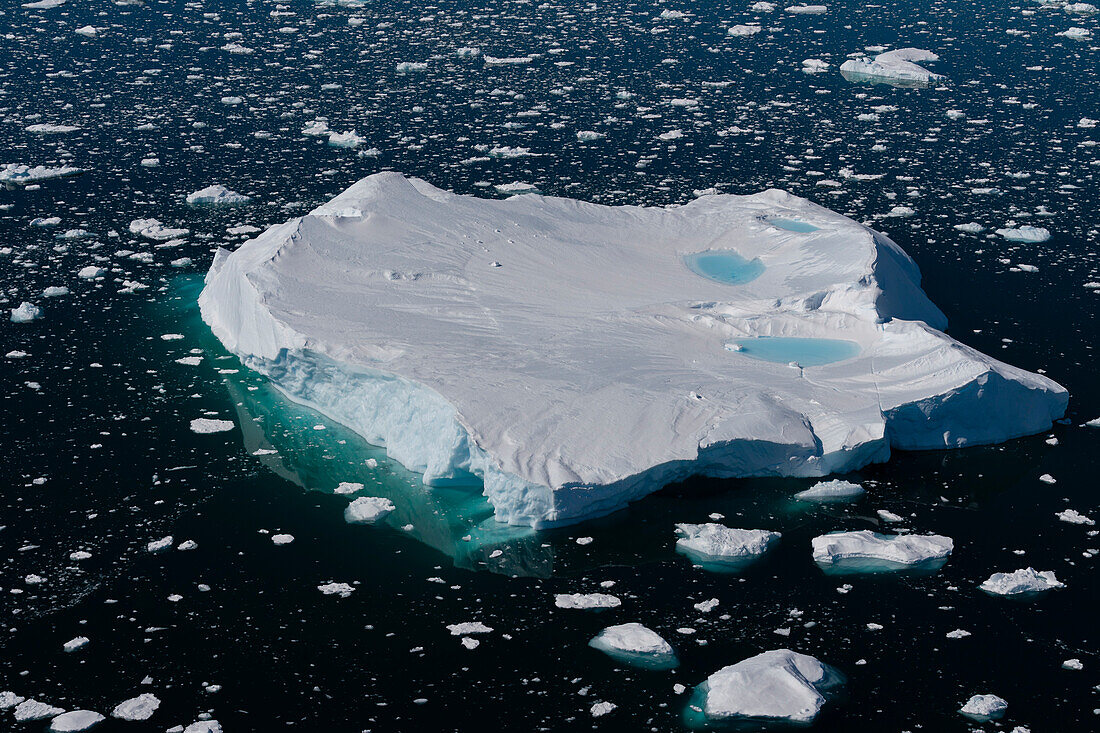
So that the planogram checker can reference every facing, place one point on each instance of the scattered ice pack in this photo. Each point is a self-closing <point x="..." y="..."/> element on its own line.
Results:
<point x="870" y="552"/>
<point x="635" y="645"/>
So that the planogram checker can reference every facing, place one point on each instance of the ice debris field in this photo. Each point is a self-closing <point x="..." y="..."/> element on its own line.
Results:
<point x="572" y="357"/>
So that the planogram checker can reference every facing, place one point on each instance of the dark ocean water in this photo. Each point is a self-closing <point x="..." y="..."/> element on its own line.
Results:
<point x="98" y="455"/>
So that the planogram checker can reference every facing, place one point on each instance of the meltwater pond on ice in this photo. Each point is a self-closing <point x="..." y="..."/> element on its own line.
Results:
<point x="724" y="266"/>
<point x="805" y="351"/>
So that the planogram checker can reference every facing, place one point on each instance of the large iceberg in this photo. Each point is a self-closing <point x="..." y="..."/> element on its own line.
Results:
<point x="871" y="552"/>
<point x="564" y="355"/>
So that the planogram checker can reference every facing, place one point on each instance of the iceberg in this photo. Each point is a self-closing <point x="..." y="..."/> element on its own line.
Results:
<point x="779" y="685"/>
<point x="635" y="645"/>
<point x="217" y="195"/>
<point x="870" y="552"/>
<point x="75" y="720"/>
<point x="984" y="708"/>
<point x="15" y="174"/>
<point x="586" y="601"/>
<point x="564" y="358"/>
<point x="897" y="67"/>
<point x="721" y="548"/>
<point x="1026" y="583"/>
<point x="830" y="491"/>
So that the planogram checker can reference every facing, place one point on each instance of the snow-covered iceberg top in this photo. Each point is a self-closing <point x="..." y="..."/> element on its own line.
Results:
<point x="831" y="491"/>
<point x="717" y="547"/>
<point x="899" y="66"/>
<point x="635" y="645"/>
<point x="778" y="685"/>
<point x="564" y="356"/>
<point x="870" y="552"/>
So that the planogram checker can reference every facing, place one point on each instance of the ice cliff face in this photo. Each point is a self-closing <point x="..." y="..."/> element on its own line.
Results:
<point x="565" y="356"/>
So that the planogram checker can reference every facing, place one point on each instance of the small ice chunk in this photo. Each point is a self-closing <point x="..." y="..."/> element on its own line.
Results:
<point x="34" y="710"/>
<point x="778" y="685"/>
<point x="161" y="544"/>
<point x="469" y="627"/>
<point x="217" y="195"/>
<point x="602" y="708"/>
<point x="282" y="539"/>
<point x="870" y="552"/>
<point x="586" y="601"/>
<point x="153" y="229"/>
<point x="75" y="720"/>
<point x="1074" y="664"/>
<point x="25" y="313"/>
<point x="743" y="30"/>
<point x="204" y="425"/>
<point x="1025" y="234"/>
<point x="1072" y="516"/>
<point x="368" y="509"/>
<point x="636" y="645"/>
<point x="340" y="589"/>
<point x="1028" y="581"/>
<point x="78" y="643"/>
<point x="807" y="9"/>
<point x="829" y="491"/>
<point x="717" y="547"/>
<point x="91" y="272"/>
<point x="9" y="700"/>
<point x="983" y="708"/>
<point x="141" y="707"/>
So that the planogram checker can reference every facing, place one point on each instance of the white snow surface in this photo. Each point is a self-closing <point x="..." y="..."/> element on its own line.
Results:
<point x="779" y="684"/>
<point x="1028" y="580"/>
<point x="898" y="65"/>
<point x="563" y="355"/>
<point x="901" y="550"/>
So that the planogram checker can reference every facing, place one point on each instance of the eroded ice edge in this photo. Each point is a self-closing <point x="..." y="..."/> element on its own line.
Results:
<point x="563" y="355"/>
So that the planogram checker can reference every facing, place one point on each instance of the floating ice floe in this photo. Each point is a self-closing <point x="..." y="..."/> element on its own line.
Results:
<point x="983" y="708"/>
<point x="896" y="67"/>
<point x="204" y="425"/>
<point x="349" y="139"/>
<point x="635" y="645"/>
<point x="814" y="66"/>
<point x="1025" y="234"/>
<point x="141" y="707"/>
<point x="47" y="128"/>
<point x="830" y="491"/>
<point x="870" y="552"/>
<point x="1025" y="582"/>
<point x="1072" y="516"/>
<point x="14" y="174"/>
<point x="578" y="338"/>
<point x="336" y="589"/>
<point x="1080" y="8"/>
<point x="516" y="188"/>
<point x="744" y="30"/>
<point x="368" y="510"/>
<point x="1077" y="34"/>
<point x="75" y="720"/>
<point x="718" y="547"/>
<point x="586" y="601"/>
<point x="807" y="9"/>
<point x="779" y="685"/>
<point x="77" y="643"/>
<point x="25" y="313"/>
<point x="34" y="710"/>
<point x="216" y="195"/>
<point x="88" y="31"/>
<point x="153" y="229"/>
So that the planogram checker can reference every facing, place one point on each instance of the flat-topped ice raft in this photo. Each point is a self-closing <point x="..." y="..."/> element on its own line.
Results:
<point x="897" y="68"/>
<point x="566" y="355"/>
